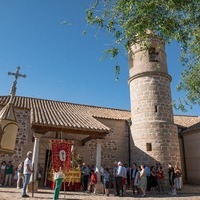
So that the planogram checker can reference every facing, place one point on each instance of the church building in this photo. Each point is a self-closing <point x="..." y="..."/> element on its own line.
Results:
<point x="147" y="134"/>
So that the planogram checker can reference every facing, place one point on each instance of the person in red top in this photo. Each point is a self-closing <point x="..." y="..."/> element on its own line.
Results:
<point x="93" y="181"/>
<point x="160" y="179"/>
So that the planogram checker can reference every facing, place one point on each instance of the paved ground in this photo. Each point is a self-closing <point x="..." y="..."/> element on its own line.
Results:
<point x="188" y="192"/>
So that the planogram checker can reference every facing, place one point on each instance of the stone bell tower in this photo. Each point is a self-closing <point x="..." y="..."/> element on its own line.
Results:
<point x="154" y="134"/>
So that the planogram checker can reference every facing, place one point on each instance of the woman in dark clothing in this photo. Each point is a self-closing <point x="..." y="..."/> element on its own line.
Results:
<point x="172" y="179"/>
<point x="152" y="180"/>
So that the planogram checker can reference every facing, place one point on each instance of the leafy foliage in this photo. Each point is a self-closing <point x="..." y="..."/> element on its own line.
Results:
<point x="128" y="21"/>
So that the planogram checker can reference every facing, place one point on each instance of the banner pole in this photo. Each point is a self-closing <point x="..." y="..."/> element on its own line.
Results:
<point x="47" y="164"/>
<point x="64" y="187"/>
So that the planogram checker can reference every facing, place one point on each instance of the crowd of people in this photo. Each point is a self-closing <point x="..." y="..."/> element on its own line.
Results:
<point x="140" y="179"/>
<point x="19" y="176"/>
<point x="89" y="178"/>
<point x="10" y="176"/>
<point x="151" y="179"/>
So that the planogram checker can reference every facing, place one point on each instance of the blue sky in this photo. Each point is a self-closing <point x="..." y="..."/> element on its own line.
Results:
<point x="60" y="62"/>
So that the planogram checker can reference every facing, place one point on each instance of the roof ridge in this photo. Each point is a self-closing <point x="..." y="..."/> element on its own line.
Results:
<point x="59" y="101"/>
<point x="186" y="115"/>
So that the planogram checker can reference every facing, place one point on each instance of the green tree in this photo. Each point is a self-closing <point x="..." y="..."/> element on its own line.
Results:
<point x="128" y="21"/>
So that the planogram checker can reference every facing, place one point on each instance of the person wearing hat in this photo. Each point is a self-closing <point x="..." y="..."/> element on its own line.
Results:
<point x="28" y="170"/>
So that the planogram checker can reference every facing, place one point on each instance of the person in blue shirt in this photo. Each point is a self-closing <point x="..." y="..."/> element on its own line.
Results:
<point x="85" y="176"/>
<point x="148" y="173"/>
<point x="106" y="181"/>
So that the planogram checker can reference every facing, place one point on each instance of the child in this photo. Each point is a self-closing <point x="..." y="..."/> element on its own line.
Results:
<point x="106" y="178"/>
<point x="93" y="181"/>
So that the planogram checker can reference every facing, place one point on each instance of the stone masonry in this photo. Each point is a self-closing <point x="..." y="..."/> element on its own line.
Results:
<point x="154" y="134"/>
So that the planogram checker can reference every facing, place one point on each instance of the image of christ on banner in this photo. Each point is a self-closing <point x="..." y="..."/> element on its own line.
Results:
<point x="61" y="155"/>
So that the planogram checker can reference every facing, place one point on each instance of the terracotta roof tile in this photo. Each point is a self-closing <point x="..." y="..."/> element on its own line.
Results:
<point x="70" y="115"/>
<point x="66" y="115"/>
<point x="186" y="120"/>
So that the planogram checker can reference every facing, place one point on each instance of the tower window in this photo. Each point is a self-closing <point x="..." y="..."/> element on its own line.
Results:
<point x="153" y="55"/>
<point x="149" y="146"/>
<point x="156" y="109"/>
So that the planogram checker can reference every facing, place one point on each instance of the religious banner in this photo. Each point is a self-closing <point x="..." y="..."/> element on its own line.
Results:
<point x="61" y="155"/>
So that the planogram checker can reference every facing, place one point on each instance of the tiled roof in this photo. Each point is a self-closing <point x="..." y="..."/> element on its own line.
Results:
<point x="78" y="116"/>
<point x="66" y="115"/>
<point x="186" y="120"/>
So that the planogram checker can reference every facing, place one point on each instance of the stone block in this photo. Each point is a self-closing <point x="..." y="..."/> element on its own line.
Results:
<point x="98" y="188"/>
<point x="33" y="186"/>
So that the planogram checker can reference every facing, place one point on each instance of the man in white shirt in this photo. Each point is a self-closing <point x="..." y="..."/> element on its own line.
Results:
<point x="28" y="169"/>
<point x="119" y="174"/>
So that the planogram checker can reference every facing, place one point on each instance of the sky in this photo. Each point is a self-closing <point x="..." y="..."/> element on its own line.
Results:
<point x="45" y="38"/>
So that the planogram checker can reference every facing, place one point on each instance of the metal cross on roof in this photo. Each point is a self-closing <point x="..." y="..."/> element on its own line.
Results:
<point x="14" y="87"/>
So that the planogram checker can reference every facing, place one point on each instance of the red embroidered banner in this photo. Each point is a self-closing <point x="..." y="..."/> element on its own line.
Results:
<point x="61" y="155"/>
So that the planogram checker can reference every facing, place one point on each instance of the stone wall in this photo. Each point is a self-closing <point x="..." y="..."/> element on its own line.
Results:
<point x="192" y="156"/>
<point x="182" y="166"/>
<point x="114" y="147"/>
<point x="152" y="121"/>
<point x="154" y="134"/>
